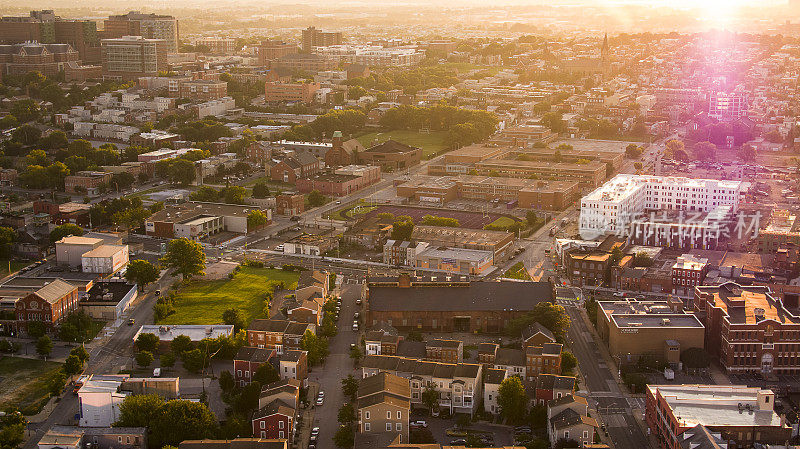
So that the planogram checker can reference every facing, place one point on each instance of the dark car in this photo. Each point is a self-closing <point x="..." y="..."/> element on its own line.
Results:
<point x="459" y="442"/>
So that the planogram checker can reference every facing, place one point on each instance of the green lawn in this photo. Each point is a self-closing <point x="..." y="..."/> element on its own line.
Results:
<point x="25" y="383"/>
<point x="15" y="266"/>
<point x="429" y="142"/>
<point x="202" y="302"/>
<point x="518" y="271"/>
<point x="349" y="212"/>
<point x="503" y="222"/>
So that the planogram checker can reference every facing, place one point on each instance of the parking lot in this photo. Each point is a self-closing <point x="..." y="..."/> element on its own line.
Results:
<point x="497" y="435"/>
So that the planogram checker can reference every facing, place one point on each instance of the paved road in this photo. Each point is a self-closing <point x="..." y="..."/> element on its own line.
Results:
<point x="337" y="366"/>
<point x="609" y="400"/>
<point x="105" y="355"/>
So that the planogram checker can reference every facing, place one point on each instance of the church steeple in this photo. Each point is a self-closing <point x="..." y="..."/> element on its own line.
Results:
<point x="604" y="48"/>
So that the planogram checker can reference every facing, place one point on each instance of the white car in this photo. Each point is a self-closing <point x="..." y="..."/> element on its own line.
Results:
<point x="355" y="327"/>
<point x="315" y="431"/>
<point x="279" y="248"/>
<point x="420" y="423"/>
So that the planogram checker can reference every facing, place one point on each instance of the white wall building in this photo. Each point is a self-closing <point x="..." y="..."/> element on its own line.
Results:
<point x="105" y="259"/>
<point x="613" y="206"/>
<point x="99" y="400"/>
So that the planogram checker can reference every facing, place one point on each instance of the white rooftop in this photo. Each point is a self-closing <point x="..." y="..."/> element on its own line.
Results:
<point x="195" y="332"/>
<point x="719" y="405"/>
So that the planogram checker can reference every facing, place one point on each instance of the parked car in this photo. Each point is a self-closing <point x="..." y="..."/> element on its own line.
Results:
<point x="419" y="423"/>
<point x="358" y="302"/>
<point x="458" y="442"/>
<point x="315" y="431"/>
<point x="279" y="247"/>
<point x="320" y="401"/>
<point x="355" y="327"/>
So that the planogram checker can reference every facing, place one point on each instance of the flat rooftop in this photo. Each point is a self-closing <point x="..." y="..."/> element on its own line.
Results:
<point x="178" y="213"/>
<point x="748" y="304"/>
<point x="105" y="251"/>
<point x="461" y="236"/>
<point x="658" y="320"/>
<point x="635" y="307"/>
<point x="717" y="405"/>
<point x="461" y="254"/>
<point x="194" y="332"/>
<point x="594" y="145"/>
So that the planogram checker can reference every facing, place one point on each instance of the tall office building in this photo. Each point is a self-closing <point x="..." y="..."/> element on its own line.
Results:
<point x="313" y="37"/>
<point x="47" y="28"/>
<point x="150" y="26"/>
<point x="726" y="106"/>
<point x="130" y="57"/>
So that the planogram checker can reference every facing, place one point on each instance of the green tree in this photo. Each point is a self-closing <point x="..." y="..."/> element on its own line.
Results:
<point x="347" y="414"/>
<point x="317" y="347"/>
<point x="139" y="410"/>
<point x="44" y="346"/>
<point x="56" y="383"/>
<point x="402" y="228"/>
<point x="350" y="387"/>
<point x="73" y="365"/>
<point x="186" y="257"/>
<point x="12" y="430"/>
<point x="695" y="358"/>
<point x="430" y="398"/>
<point x="315" y="198"/>
<point x="256" y="218"/>
<point x="181" y="171"/>
<point x="168" y="422"/>
<point x="147" y="342"/>
<point x="266" y="374"/>
<point x="705" y="151"/>
<point x="181" y="344"/>
<point x="37" y="157"/>
<point x="642" y="259"/>
<point x="26" y="135"/>
<point x="234" y="194"/>
<point x="80" y="352"/>
<point x="36" y="329"/>
<point x="141" y="272"/>
<point x="226" y="381"/>
<point x="194" y="360"/>
<point x="356" y="354"/>
<point x="233" y="317"/>
<point x="167" y="360"/>
<point x="248" y="397"/>
<point x="61" y="231"/>
<point x="512" y="400"/>
<point x="260" y="190"/>
<point x="344" y="437"/>
<point x="7" y="237"/>
<point x="633" y="151"/>
<point x="144" y="358"/>
<point x="568" y="362"/>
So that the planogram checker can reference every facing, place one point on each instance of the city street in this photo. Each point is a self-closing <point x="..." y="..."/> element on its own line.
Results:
<point x="609" y="400"/>
<point x="336" y="367"/>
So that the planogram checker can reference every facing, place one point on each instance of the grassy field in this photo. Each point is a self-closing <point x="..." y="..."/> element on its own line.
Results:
<point x="429" y="142"/>
<point x="503" y="221"/>
<point x="25" y="383"/>
<point x="203" y="302"/>
<point x="15" y="266"/>
<point x="518" y="271"/>
<point x="349" y="212"/>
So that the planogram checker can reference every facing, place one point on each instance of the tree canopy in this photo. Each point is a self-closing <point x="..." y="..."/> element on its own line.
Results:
<point x="186" y="257"/>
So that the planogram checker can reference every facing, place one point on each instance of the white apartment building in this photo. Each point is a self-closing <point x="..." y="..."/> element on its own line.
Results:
<point x="724" y="105"/>
<point x="611" y="208"/>
<point x="372" y="55"/>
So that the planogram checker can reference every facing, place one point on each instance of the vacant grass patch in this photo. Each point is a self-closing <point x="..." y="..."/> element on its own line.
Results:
<point x="503" y="222"/>
<point x="518" y="271"/>
<point x="430" y="143"/>
<point x="15" y="266"/>
<point x="202" y="302"/>
<point x="25" y="383"/>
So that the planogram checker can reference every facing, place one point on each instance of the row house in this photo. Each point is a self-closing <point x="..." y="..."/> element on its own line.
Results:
<point x="276" y="334"/>
<point x="527" y="363"/>
<point x="278" y="405"/>
<point x="447" y="351"/>
<point x="382" y="343"/>
<point x="384" y="406"/>
<point x="491" y="389"/>
<point x="290" y="168"/>
<point x="459" y="385"/>
<point x="248" y="360"/>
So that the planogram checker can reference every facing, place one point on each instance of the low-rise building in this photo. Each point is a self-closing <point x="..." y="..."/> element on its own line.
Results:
<point x="203" y="89"/>
<point x="310" y="244"/>
<point x="105" y="259"/>
<point x="195" y="332"/>
<point x="86" y="182"/>
<point x="568" y="419"/>
<point x="687" y="273"/>
<point x="742" y="415"/>
<point x="384" y="405"/>
<point x="442" y="350"/>
<point x="459" y="385"/>
<point x="491" y="389"/>
<point x="551" y="386"/>
<point x="402" y="252"/>
<point x="197" y="220"/>
<point x="236" y="443"/>
<point x="293" y="364"/>
<point x="108" y="300"/>
<point x="99" y="397"/>
<point x="290" y="169"/>
<point x="455" y="260"/>
<point x="659" y="329"/>
<point x="248" y="360"/>
<point x="276" y="334"/>
<point x="391" y="155"/>
<point x="290" y="204"/>
<point x="499" y="243"/>
<point x="277" y="92"/>
<point x="45" y="301"/>
<point x="68" y="437"/>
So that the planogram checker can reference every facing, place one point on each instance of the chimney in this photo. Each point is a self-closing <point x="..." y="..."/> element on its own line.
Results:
<point x="766" y="398"/>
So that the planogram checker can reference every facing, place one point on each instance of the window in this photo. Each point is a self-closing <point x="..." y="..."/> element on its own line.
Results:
<point x="585" y="434"/>
<point x="398" y="427"/>
<point x="388" y="427"/>
<point x="280" y="424"/>
<point x="366" y="416"/>
<point x="400" y="414"/>
<point x="280" y="434"/>
<point x="389" y="416"/>
<point x="263" y="434"/>
<point x="366" y="427"/>
<point x="566" y="434"/>
<point x="262" y="425"/>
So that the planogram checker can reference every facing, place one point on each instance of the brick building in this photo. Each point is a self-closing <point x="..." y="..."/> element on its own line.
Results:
<point x="450" y="303"/>
<point x="130" y="57"/>
<point x="687" y="273"/>
<point x="441" y="350"/>
<point x="343" y="181"/>
<point x="270" y="50"/>
<point x="46" y="302"/>
<point x="341" y="152"/>
<point x="276" y="92"/>
<point x="248" y="360"/>
<point x="203" y="90"/>
<point x="276" y="334"/>
<point x="291" y="168"/>
<point x="384" y="405"/>
<point x="391" y="155"/>
<point x="749" y="329"/>
<point x="87" y="182"/>
<point x="47" y="59"/>
<point x="742" y="415"/>
<point x="289" y="204"/>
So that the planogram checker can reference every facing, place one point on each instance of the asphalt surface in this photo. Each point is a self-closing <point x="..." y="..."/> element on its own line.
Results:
<point x="609" y="400"/>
